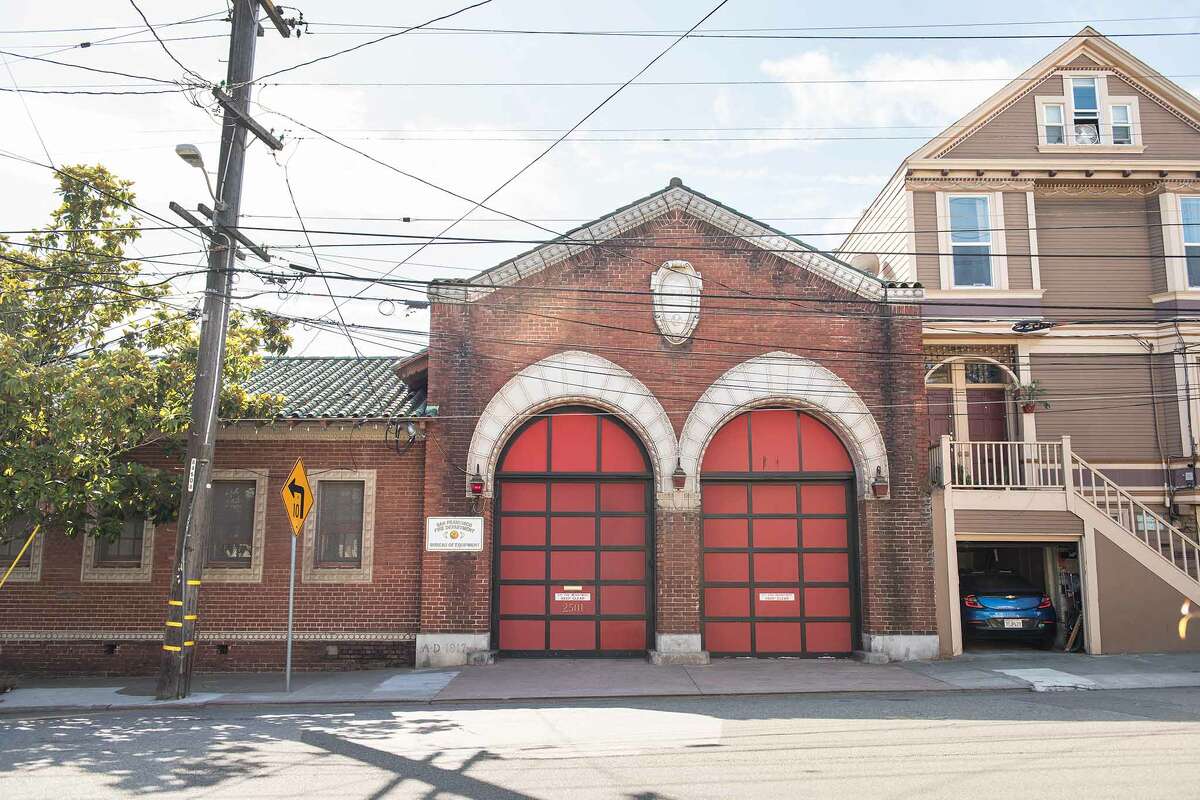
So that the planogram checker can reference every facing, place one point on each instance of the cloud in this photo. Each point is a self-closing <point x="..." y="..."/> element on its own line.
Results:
<point x="910" y="97"/>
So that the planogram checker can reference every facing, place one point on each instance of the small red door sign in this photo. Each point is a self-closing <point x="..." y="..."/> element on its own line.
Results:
<point x="569" y="596"/>
<point x="788" y="597"/>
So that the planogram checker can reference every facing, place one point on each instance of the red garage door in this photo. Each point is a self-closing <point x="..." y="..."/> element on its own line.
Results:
<point x="573" y="532"/>
<point x="778" y="544"/>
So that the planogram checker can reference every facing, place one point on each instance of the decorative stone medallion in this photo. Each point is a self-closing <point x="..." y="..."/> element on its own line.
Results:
<point x="675" y="287"/>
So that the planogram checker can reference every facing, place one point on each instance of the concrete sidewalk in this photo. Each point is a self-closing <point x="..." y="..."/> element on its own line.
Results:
<point x="525" y="679"/>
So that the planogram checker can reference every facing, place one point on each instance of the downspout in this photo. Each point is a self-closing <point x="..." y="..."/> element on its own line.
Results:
<point x="1187" y="388"/>
<point x="1169" y="490"/>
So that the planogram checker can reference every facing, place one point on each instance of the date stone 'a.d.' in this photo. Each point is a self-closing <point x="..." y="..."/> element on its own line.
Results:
<point x="676" y="287"/>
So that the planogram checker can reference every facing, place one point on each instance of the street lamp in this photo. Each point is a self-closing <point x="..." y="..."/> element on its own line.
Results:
<point x="191" y="156"/>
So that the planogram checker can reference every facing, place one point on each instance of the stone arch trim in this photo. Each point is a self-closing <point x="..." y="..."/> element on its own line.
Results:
<point x="785" y="379"/>
<point x="573" y="376"/>
<point x="1016" y="381"/>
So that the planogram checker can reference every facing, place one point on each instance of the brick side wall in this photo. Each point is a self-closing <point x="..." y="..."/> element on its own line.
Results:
<point x="60" y="602"/>
<point x="476" y="348"/>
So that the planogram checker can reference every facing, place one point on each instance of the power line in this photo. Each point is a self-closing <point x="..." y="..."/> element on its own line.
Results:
<point x="186" y="69"/>
<point x="292" y="196"/>
<point x="558" y="140"/>
<point x="409" y="29"/>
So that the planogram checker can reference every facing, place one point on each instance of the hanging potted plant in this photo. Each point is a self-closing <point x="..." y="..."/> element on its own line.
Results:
<point x="1029" y="396"/>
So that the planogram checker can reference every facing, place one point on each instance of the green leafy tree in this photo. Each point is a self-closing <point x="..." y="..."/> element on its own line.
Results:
<point x="96" y="368"/>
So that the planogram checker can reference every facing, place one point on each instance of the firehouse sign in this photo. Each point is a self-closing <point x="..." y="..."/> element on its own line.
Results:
<point x="297" y="496"/>
<point x="454" y="534"/>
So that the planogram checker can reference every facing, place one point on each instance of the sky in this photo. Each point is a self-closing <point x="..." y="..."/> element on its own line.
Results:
<point x="797" y="132"/>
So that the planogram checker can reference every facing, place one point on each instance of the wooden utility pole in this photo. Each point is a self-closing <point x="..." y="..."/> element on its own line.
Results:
<point x="191" y="547"/>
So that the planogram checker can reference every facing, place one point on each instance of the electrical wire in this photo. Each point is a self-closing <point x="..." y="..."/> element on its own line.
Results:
<point x="360" y="46"/>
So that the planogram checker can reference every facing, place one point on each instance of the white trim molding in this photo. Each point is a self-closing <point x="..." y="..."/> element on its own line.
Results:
<point x="254" y="572"/>
<point x="675" y="197"/>
<point x="91" y="572"/>
<point x="310" y="572"/>
<point x="572" y="376"/>
<point x="785" y="379"/>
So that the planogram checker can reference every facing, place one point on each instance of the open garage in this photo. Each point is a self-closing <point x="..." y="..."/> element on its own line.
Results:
<point x="1020" y="594"/>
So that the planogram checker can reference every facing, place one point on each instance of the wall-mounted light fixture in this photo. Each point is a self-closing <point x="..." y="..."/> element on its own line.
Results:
<point x="678" y="477"/>
<point x="879" y="486"/>
<point x="477" y="482"/>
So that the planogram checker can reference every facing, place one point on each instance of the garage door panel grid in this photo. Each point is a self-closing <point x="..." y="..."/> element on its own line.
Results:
<point x="572" y="572"/>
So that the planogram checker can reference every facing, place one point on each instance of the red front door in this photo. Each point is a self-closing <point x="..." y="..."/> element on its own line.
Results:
<point x="778" y="566"/>
<point x="987" y="417"/>
<point x="573" y="533"/>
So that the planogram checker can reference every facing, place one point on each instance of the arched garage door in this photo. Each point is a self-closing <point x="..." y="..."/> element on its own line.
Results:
<point x="572" y="560"/>
<point x="778" y="538"/>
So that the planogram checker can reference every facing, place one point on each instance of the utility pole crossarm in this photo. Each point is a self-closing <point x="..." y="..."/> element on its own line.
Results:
<point x="207" y="230"/>
<point x="245" y="120"/>
<point x="276" y="18"/>
<point x="257" y="249"/>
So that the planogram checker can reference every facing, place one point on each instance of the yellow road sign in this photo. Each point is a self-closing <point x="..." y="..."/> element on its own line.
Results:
<point x="297" y="496"/>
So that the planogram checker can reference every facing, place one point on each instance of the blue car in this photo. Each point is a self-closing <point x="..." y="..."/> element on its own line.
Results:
<point x="1002" y="606"/>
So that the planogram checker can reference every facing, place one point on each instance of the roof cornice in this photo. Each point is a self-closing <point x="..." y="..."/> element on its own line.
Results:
<point x="674" y="197"/>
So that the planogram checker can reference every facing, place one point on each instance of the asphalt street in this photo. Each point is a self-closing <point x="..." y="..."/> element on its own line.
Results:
<point x="1009" y="744"/>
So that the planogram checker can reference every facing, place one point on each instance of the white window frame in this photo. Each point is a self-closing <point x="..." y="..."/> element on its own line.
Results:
<point x="1043" y="123"/>
<point x="254" y="573"/>
<point x="1170" y="209"/>
<point x="999" y="243"/>
<point x="1105" y="101"/>
<point x="310" y="572"/>
<point x="1112" y="120"/>
<point x="33" y="572"/>
<point x="1184" y="244"/>
<point x="91" y="572"/>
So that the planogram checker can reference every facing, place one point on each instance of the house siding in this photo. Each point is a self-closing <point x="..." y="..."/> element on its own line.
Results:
<point x="1103" y="402"/>
<point x="1017" y="522"/>
<point x="1016" y="232"/>
<point x="1117" y="269"/>
<point x="1013" y="132"/>
<point x="1148" y="625"/>
<point x="925" y="222"/>
<point x="885" y="228"/>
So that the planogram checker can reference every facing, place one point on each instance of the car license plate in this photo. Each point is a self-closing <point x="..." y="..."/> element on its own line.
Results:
<point x="1014" y="623"/>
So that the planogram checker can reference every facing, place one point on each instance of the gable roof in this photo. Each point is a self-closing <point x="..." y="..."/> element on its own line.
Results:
<point x="1087" y="45"/>
<point x="675" y="196"/>
<point x="337" y="387"/>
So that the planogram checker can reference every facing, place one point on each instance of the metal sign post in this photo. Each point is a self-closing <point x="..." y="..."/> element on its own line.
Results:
<point x="297" y="498"/>
<point x="287" y="675"/>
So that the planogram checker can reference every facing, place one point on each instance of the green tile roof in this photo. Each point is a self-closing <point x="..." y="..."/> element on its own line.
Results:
<point x="337" y="387"/>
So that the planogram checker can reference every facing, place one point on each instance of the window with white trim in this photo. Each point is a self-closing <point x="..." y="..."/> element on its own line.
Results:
<point x="127" y="557"/>
<point x="1086" y="115"/>
<point x="237" y="538"/>
<point x="1122" y="123"/>
<point x="1189" y="211"/>
<point x="970" y="240"/>
<point x="1053" y="130"/>
<point x="339" y="532"/>
<point x="124" y="549"/>
<point x="12" y="538"/>
<point x="340" y="524"/>
<point x="231" y="540"/>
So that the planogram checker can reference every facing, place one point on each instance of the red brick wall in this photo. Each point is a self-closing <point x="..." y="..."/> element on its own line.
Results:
<point x="61" y="602"/>
<point x="477" y="348"/>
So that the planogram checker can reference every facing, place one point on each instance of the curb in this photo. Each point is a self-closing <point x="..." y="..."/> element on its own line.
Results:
<point x="457" y="701"/>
